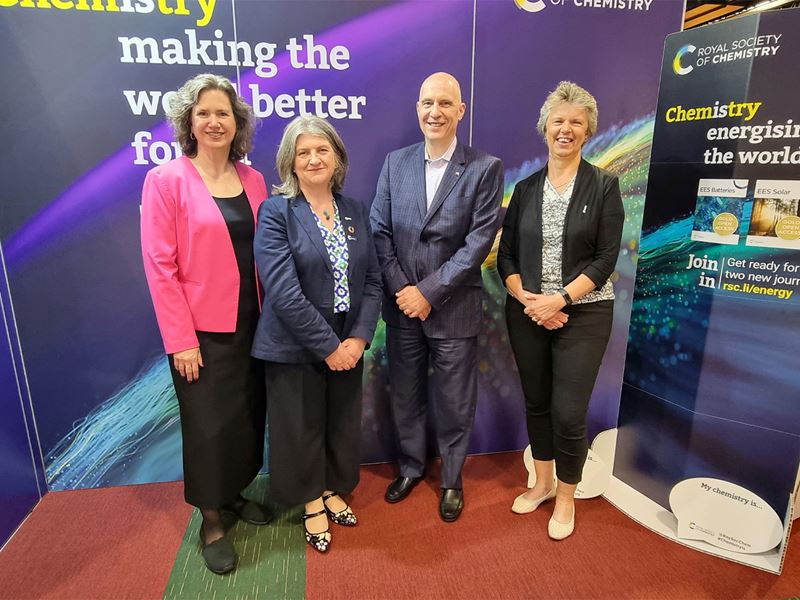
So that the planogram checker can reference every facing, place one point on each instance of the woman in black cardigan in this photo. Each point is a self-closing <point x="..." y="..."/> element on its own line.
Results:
<point x="560" y="241"/>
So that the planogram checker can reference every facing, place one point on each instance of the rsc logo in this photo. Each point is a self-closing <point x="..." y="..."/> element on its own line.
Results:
<point x="676" y="62"/>
<point x="529" y="6"/>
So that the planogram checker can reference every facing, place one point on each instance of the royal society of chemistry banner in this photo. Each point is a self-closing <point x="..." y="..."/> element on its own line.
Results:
<point x="709" y="426"/>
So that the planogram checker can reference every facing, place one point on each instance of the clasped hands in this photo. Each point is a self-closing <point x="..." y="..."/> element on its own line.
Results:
<point x="346" y="355"/>
<point x="413" y="304"/>
<point x="545" y="309"/>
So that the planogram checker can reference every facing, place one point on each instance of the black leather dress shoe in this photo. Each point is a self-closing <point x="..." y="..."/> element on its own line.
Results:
<point x="451" y="504"/>
<point x="400" y="488"/>
<point x="249" y="511"/>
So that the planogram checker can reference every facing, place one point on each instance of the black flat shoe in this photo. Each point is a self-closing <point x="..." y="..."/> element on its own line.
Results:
<point x="220" y="555"/>
<point x="400" y="488"/>
<point x="318" y="541"/>
<point x="249" y="511"/>
<point x="344" y="517"/>
<point x="451" y="504"/>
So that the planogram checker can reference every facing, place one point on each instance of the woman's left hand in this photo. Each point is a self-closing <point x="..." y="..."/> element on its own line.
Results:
<point x="355" y="347"/>
<point x="544" y="306"/>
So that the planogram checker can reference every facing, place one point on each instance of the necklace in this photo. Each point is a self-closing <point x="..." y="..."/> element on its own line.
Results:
<point x="327" y="213"/>
<point x="564" y="184"/>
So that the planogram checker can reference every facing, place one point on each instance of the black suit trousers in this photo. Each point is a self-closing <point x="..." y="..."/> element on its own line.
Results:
<point x="454" y="368"/>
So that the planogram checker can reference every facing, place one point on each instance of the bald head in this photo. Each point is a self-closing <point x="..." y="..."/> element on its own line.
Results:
<point x="442" y="79"/>
<point x="439" y="110"/>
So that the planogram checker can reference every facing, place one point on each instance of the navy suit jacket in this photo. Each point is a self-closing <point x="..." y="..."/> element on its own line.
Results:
<point x="439" y="250"/>
<point x="297" y="276"/>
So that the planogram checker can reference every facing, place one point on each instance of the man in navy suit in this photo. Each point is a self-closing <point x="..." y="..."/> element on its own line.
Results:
<point x="434" y="218"/>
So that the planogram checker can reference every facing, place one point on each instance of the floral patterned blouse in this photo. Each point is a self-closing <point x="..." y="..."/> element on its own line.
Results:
<point x="336" y="245"/>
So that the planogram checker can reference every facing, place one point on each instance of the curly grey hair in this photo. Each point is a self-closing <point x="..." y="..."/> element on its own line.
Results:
<point x="566" y="91"/>
<point x="284" y="160"/>
<point x="183" y="101"/>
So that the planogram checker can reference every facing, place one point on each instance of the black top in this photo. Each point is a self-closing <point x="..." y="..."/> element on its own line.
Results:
<point x="241" y="226"/>
<point x="592" y="229"/>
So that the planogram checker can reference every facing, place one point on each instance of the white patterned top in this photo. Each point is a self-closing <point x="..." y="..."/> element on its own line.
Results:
<point x="554" y="212"/>
<point x="336" y="245"/>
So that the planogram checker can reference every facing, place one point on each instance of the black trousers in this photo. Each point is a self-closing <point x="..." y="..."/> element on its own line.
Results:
<point x="455" y="388"/>
<point x="314" y="417"/>
<point x="558" y="370"/>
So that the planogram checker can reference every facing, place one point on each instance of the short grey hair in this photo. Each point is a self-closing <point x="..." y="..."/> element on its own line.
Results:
<point x="566" y="91"/>
<point x="179" y="114"/>
<point x="284" y="160"/>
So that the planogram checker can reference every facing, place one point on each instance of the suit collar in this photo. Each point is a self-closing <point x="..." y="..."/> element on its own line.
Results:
<point x="305" y="216"/>
<point x="201" y="197"/>
<point x="582" y="179"/>
<point x="459" y="154"/>
<point x="419" y="167"/>
<point x="448" y="154"/>
<point x="585" y="169"/>
<point x="249" y="184"/>
<point x="455" y="169"/>
<point x="348" y="218"/>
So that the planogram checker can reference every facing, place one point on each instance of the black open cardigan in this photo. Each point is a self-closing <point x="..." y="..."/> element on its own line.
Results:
<point x="592" y="229"/>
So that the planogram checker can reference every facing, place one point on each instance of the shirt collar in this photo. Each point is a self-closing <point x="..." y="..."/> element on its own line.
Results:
<point x="448" y="154"/>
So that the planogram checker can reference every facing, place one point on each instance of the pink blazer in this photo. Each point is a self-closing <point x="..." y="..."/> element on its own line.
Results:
<point x="188" y="255"/>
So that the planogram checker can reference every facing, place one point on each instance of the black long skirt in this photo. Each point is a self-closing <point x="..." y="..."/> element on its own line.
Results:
<point x="223" y="415"/>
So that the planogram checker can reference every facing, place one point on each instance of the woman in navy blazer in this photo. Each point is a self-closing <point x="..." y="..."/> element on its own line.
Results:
<point x="322" y="295"/>
<point x="560" y="242"/>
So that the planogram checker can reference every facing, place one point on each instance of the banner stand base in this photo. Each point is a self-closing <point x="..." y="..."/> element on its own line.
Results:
<point x="662" y="521"/>
<point x="658" y="519"/>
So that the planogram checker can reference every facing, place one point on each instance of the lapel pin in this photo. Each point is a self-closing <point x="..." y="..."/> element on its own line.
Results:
<point x="351" y="229"/>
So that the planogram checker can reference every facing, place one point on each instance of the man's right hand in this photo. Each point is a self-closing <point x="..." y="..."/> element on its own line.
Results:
<point x="413" y="304"/>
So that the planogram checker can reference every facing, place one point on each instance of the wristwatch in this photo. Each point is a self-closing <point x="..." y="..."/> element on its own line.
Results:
<point x="565" y="295"/>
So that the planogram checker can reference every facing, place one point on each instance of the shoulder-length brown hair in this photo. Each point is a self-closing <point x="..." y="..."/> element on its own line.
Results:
<point x="179" y="114"/>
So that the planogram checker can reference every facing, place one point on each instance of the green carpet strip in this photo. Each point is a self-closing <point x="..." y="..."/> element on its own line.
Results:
<point x="272" y="559"/>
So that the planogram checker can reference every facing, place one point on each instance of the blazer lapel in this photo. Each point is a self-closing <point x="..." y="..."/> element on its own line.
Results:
<point x="250" y="189"/>
<point x="302" y="212"/>
<point x="419" y="167"/>
<point x="455" y="168"/>
<point x="202" y="200"/>
<point x="351" y="228"/>
<point x="582" y="180"/>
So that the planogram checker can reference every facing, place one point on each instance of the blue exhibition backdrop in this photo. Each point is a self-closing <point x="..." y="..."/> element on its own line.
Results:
<point x="85" y="123"/>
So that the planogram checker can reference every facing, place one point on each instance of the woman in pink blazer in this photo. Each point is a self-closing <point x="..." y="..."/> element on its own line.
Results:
<point x="198" y="222"/>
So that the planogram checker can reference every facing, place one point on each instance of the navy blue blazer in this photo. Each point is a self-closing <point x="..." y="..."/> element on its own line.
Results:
<point x="439" y="250"/>
<point x="297" y="277"/>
